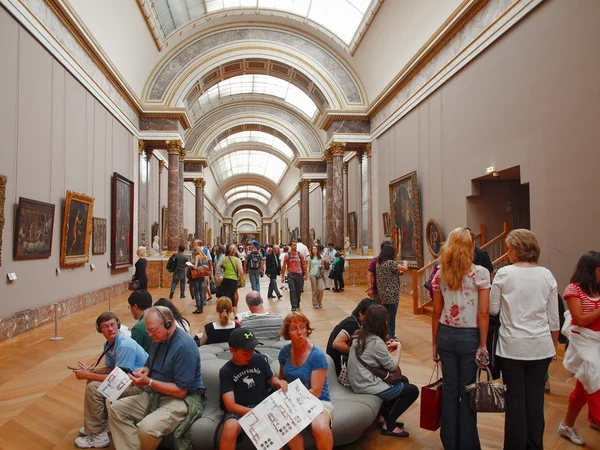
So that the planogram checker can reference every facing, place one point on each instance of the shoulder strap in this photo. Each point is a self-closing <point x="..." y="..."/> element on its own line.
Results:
<point x="234" y="266"/>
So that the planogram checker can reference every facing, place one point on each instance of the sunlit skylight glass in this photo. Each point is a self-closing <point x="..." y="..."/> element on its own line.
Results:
<point x="248" y="195"/>
<point x="249" y="162"/>
<point x="245" y="210"/>
<point x="256" y="136"/>
<point x="340" y="17"/>
<point x="254" y="189"/>
<point x="260" y="84"/>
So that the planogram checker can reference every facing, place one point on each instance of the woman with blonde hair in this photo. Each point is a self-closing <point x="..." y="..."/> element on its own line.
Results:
<point x="461" y="295"/>
<point x="140" y="268"/>
<point x="220" y="330"/>
<point x="525" y="296"/>
<point x="200" y="259"/>
<point x="233" y="272"/>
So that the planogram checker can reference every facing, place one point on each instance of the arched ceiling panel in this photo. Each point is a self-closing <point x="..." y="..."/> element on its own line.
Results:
<point x="248" y="195"/>
<point x="175" y="75"/>
<point x="249" y="162"/>
<point x="247" y="189"/>
<point x="246" y="203"/>
<point x="247" y="208"/>
<point x="260" y="137"/>
<point x="246" y="225"/>
<point x="249" y="179"/>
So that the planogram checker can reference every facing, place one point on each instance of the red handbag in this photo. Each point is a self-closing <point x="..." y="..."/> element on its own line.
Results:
<point x="431" y="402"/>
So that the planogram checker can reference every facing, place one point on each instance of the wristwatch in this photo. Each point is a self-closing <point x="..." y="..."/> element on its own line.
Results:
<point x="150" y="383"/>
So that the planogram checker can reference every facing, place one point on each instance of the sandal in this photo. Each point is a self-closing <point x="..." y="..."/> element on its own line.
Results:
<point x="398" y="424"/>
<point x="391" y="433"/>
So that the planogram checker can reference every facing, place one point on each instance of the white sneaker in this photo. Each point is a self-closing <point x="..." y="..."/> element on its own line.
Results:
<point x="570" y="433"/>
<point x="106" y="429"/>
<point x="93" y="441"/>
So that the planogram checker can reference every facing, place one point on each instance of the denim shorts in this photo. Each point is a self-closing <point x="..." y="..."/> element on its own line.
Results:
<point x="391" y="393"/>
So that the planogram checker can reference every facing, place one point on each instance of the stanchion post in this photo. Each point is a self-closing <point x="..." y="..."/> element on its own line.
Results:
<point x="109" y="299"/>
<point x="56" y="336"/>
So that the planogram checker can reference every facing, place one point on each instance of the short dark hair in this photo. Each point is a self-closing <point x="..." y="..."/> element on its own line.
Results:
<point x="141" y="298"/>
<point x="585" y="273"/>
<point x="105" y="317"/>
<point x="181" y="247"/>
<point x="386" y="243"/>
<point x="330" y="244"/>
<point x="387" y="254"/>
<point x="362" y="306"/>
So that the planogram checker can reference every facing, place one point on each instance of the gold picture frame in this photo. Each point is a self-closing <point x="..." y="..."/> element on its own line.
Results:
<point x="387" y="229"/>
<point x="77" y="229"/>
<point x="2" y="199"/>
<point x="434" y="235"/>
<point x="405" y="212"/>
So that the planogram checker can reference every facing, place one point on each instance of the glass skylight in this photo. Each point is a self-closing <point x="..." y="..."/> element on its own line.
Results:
<point x="248" y="195"/>
<point x="259" y="84"/>
<point x="256" y="136"/>
<point x="340" y="17"/>
<point x="249" y="162"/>
<point x="245" y="210"/>
<point x="255" y="189"/>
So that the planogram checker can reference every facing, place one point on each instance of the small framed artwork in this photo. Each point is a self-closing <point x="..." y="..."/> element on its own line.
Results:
<point x="434" y="236"/>
<point x="121" y="242"/>
<point x="98" y="236"/>
<point x="77" y="229"/>
<point x="352" y="230"/>
<point x="387" y="230"/>
<point x="34" y="228"/>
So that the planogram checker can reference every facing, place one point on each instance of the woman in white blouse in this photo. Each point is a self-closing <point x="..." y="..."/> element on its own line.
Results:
<point x="525" y="296"/>
<point x="461" y="294"/>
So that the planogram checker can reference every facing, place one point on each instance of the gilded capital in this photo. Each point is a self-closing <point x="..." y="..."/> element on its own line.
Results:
<point x="359" y="156"/>
<point x="303" y="184"/>
<point x="161" y="165"/>
<point x="337" y="148"/>
<point x="328" y="155"/>
<point x="200" y="183"/>
<point x="141" y="146"/>
<point x="149" y="152"/>
<point x="173" y="147"/>
<point x="368" y="149"/>
<point x="182" y="152"/>
<point x="345" y="167"/>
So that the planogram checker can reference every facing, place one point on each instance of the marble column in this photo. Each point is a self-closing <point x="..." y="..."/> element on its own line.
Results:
<point x="161" y="167"/>
<point x="142" y="186"/>
<point x="329" y="199"/>
<point x="359" y="213"/>
<point x="345" y="197"/>
<point x="199" y="232"/>
<point x="173" y="148"/>
<point x="304" y="212"/>
<point x="370" y="202"/>
<point x="337" y="194"/>
<point x="323" y="234"/>
<point x="182" y="236"/>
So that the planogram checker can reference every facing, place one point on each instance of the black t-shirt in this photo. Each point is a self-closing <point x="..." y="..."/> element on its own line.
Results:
<point x="350" y="325"/>
<point x="250" y="383"/>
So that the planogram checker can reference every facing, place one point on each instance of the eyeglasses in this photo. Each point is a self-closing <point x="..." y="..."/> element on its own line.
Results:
<point x="109" y="326"/>
<point x="301" y="329"/>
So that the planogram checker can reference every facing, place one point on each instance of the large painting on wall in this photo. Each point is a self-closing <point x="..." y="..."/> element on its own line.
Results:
<point x="165" y="228"/>
<point x="406" y="219"/>
<point x="352" y="231"/>
<point x="2" y="199"/>
<point x="121" y="242"/>
<point x="77" y="229"/>
<point x="34" y="227"/>
<point x="98" y="236"/>
<point x="434" y="236"/>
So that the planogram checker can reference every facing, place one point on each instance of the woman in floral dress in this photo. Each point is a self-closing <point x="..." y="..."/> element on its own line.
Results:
<point x="461" y="297"/>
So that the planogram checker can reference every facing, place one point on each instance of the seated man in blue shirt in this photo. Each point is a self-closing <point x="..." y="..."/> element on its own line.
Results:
<point x="119" y="351"/>
<point x="244" y="383"/>
<point x="170" y="375"/>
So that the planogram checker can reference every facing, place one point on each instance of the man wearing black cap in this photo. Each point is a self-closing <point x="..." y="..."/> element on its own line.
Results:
<point x="244" y="383"/>
<point x="139" y="301"/>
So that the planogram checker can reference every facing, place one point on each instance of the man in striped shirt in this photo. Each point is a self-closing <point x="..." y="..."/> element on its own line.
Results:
<point x="265" y="325"/>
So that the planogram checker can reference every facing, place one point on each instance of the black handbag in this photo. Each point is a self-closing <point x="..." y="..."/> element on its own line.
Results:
<point x="390" y="378"/>
<point x="134" y="285"/>
<point x="486" y="396"/>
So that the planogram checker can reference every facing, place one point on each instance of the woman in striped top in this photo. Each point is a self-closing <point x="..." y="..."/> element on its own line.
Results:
<point x="582" y="357"/>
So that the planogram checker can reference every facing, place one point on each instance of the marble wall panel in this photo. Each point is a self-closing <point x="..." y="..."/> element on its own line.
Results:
<point x="349" y="127"/>
<point x="158" y="124"/>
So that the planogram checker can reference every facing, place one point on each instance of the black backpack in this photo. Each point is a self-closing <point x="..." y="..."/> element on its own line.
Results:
<point x="172" y="263"/>
<point x="254" y="260"/>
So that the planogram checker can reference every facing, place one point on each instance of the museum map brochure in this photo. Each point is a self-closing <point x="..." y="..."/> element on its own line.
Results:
<point x="115" y="384"/>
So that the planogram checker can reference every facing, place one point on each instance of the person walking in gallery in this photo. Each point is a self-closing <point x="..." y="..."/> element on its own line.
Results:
<point x="219" y="255"/>
<point x="233" y="272"/>
<point x="371" y="347"/>
<point x="461" y="293"/>
<point x="140" y="268"/>
<point x="582" y="357"/>
<point x="282" y="256"/>
<point x="340" y="338"/>
<point x="372" y="276"/>
<point x="329" y="255"/>
<point x="219" y="331"/>
<point x="387" y="275"/>
<point x="301" y="359"/>
<point x="180" y="321"/>
<point x="119" y="351"/>
<point x="139" y="301"/>
<point x="173" y="396"/>
<point x="179" y="274"/>
<point x="200" y="259"/>
<point x="316" y="271"/>
<point x="295" y="265"/>
<point x="265" y="325"/>
<point x="273" y="269"/>
<point x="337" y="271"/>
<point x="255" y="266"/>
<point x="525" y="296"/>
<point x="244" y="382"/>
<point x="302" y="250"/>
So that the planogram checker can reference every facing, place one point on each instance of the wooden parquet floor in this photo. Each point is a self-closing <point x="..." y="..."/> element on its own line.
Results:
<point x="41" y="402"/>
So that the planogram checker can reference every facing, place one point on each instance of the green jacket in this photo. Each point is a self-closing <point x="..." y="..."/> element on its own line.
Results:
<point x="140" y="335"/>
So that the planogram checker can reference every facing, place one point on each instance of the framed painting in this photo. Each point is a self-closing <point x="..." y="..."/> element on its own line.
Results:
<point x="77" y="229"/>
<point x="434" y="235"/>
<point x="154" y="231"/>
<point x="121" y="242"/>
<point x="352" y="230"/>
<point x="165" y="228"/>
<point x="386" y="225"/>
<point x="2" y="200"/>
<point x="98" y="236"/>
<point x="405" y="214"/>
<point x="34" y="227"/>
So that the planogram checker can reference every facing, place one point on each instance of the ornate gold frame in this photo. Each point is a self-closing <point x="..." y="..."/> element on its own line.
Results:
<point x="410" y="181"/>
<point x="83" y="257"/>
<point x="2" y="199"/>
<point x="432" y="223"/>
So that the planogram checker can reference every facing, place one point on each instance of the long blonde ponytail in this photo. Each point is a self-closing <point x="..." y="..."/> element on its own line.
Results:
<point x="456" y="257"/>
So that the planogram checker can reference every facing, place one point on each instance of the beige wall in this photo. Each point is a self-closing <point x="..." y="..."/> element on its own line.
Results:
<point x="56" y="136"/>
<point x="315" y="216"/>
<point x="532" y="99"/>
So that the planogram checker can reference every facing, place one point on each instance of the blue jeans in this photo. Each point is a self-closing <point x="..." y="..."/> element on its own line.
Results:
<point x="199" y="293"/>
<point x="179" y="276"/>
<point x="254" y="276"/>
<point x="392" y="310"/>
<point x="457" y="348"/>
